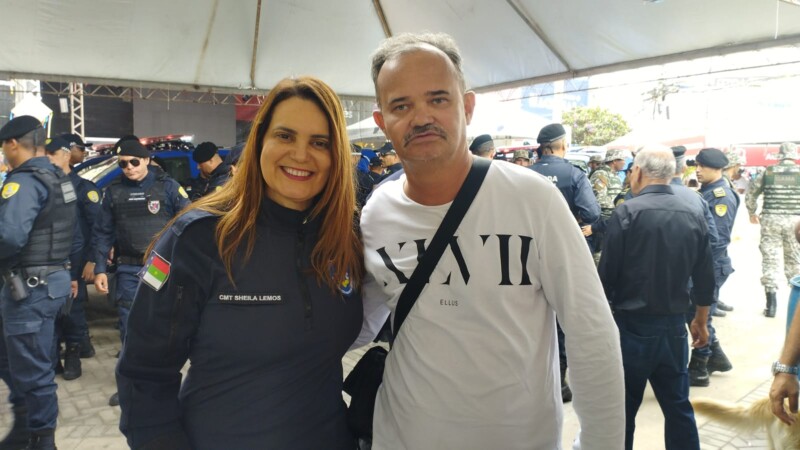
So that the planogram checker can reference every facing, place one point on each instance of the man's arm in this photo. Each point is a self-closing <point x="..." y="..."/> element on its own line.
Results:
<point x="572" y="287"/>
<point x="751" y="197"/>
<point x="103" y="234"/>
<point x="785" y="385"/>
<point x="611" y="260"/>
<point x="23" y="198"/>
<point x="375" y="312"/>
<point x="585" y="201"/>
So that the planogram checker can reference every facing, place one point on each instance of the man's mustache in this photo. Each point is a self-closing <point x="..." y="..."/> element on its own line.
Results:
<point x="422" y="130"/>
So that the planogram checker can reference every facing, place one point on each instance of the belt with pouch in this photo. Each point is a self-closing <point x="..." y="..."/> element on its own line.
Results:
<point x="37" y="275"/>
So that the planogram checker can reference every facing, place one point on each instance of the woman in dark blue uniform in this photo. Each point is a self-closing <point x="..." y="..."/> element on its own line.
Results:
<point x="257" y="286"/>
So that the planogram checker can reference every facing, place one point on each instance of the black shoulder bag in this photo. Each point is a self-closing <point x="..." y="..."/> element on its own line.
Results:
<point x="363" y="382"/>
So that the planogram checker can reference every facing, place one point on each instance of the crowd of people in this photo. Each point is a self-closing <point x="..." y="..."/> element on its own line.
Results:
<point x="284" y="260"/>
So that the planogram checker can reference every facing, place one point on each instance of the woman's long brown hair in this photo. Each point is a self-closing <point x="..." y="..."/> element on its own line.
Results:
<point x="338" y="252"/>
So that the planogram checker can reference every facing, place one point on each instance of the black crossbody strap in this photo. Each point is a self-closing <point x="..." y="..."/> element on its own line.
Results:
<point x="448" y="227"/>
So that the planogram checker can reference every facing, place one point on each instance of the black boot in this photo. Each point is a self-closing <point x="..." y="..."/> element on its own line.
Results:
<point x="724" y="306"/>
<point x="566" y="392"/>
<point x="114" y="400"/>
<point x="19" y="434"/>
<point x="87" y="349"/>
<point x="72" y="361"/>
<point x="42" y="440"/>
<point x="698" y="370"/>
<point x="772" y="304"/>
<point x="718" y="361"/>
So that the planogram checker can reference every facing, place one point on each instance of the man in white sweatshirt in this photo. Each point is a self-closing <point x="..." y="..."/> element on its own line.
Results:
<point x="475" y="363"/>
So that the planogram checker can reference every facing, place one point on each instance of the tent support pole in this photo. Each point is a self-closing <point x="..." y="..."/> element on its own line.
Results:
<point x="255" y="46"/>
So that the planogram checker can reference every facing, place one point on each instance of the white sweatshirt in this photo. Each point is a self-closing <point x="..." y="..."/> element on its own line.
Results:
<point x="475" y="365"/>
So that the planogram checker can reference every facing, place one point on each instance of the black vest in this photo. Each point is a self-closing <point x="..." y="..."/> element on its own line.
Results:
<point x="138" y="215"/>
<point x="50" y="239"/>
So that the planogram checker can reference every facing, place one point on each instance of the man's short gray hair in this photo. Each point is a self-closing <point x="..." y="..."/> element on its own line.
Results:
<point x="656" y="162"/>
<point x="408" y="42"/>
<point x="680" y="165"/>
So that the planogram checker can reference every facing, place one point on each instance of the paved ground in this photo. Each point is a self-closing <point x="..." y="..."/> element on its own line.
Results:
<point x="751" y="341"/>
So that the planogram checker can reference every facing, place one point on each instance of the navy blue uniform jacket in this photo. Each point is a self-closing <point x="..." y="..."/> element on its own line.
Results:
<point x="266" y="368"/>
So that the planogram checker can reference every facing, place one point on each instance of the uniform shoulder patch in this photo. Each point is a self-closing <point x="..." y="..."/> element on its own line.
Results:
<point x="183" y="192"/>
<point x="10" y="189"/>
<point x="719" y="192"/>
<point x="721" y="209"/>
<point x="156" y="271"/>
<point x="93" y="196"/>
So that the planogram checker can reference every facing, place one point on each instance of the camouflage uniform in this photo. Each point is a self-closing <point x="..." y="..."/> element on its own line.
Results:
<point x="780" y="185"/>
<point x="606" y="186"/>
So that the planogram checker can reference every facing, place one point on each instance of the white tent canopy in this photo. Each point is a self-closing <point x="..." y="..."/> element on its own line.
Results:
<point x="251" y="44"/>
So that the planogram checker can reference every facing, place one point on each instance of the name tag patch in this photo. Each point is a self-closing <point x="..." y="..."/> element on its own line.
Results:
<point x="250" y="299"/>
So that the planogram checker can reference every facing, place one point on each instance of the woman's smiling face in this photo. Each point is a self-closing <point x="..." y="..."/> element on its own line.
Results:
<point x="295" y="156"/>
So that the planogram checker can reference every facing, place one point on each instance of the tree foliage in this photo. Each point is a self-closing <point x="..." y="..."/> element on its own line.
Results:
<point x="594" y="126"/>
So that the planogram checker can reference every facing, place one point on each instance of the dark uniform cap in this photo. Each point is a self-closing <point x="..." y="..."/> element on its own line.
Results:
<point x="133" y="148"/>
<point x="56" y="144"/>
<point x="387" y="149"/>
<point x="375" y="161"/>
<point x="711" y="157"/>
<point x="75" y="141"/>
<point x="550" y="133"/>
<point x="204" y="151"/>
<point x="678" y="151"/>
<point x="478" y="141"/>
<point x="18" y="127"/>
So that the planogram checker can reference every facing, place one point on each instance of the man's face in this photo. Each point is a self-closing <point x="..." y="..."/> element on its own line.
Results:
<point x="522" y="162"/>
<point x="617" y="165"/>
<point x="131" y="170"/>
<point x="389" y="159"/>
<point x="593" y="165"/>
<point x="707" y="174"/>
<point x="207" y="167"/>
<point x="60" y="158"/>
<point x="76" y="155"/>
<point x="423" y="109"/>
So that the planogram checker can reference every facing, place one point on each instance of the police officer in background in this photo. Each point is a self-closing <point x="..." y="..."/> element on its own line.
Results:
<point x="571" y="181"/>
<point x="483" y="146"/>
<point x="77" y="148"/>
<point x="606" y="186"/>
<point x="574" y="186"/>
<point x="391" y="162"/>
<point x="135" y="207"/>
<point x="37" y="225"/>
<point x="73" y="327"/>
<point x="213" y="171"/>
<point x="723" y="204"/>
<point x="780" y="185"/>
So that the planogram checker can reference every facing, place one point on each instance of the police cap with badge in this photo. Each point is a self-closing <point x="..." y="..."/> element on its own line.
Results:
<point x="18" y="127"/>
<point x="75" y="140"/>
<point x="56" y="144"/>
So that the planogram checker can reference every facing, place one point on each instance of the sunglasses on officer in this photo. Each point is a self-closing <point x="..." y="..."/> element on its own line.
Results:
<point x="124" y="164"/>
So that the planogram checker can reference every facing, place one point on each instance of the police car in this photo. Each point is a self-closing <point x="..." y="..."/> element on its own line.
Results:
<point x="172" y="153"/>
